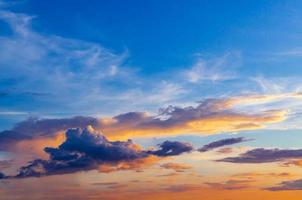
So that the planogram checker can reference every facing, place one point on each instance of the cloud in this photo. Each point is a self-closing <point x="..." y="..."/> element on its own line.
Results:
<point x="292" y="162"/>
<point x="215" y="69"/>
<point x="220" y="143"/>
<point x="262" y="155"/>
<point x="2" y="176"/>
<point x="211" y="116"/>
<point x="88" y="149"/>
<point x="225" y="150"/>
<point x="230" y="184"/>
<point x="182" y="188"/>
<point x="34" y="128"/>
<point x="178" y="167"/>
<point x="4" y="164"/>
<point x="36" y="62"/>
<point x="252" y="175"/>
<point x="172" y="148"/>
<point x="287" y="185"/>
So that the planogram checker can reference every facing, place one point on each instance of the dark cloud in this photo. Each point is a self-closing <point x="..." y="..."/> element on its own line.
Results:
<point x="33" y="128"/>
<point x="287" y="185"/>
<point x="262" y="155"/>
<point x="2" y="176"/>
<point x="169" y="148"/>
<point x="220" y="143"/>
<point x="88" y="149"/>
<point x="82" y="150"/>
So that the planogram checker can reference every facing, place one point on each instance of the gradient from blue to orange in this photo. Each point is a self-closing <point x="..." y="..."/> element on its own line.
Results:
<point x="196" y="72"/>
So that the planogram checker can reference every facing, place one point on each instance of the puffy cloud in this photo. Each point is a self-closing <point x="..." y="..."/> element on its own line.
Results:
<point x="287" y="185"/>
<point x="34" y="128"/>
<point x="88" y="149"/>
<point x="178" y="167"/>
<point x="220" y="143"/>
<point x="262" y="155"/>
<point x="210" y="116"/>
<point x="172" y="148"/>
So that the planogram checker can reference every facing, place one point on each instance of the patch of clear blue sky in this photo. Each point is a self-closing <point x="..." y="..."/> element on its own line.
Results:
<point x="257" y="138"/>
<point x="165" y="36"/>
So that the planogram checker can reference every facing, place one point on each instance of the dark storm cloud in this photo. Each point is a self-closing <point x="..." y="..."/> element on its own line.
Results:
<point x="169" y="148"/>
<point x="262" y="155"/>
<point x="2" y="176"/>
<point x="88" y="149"/>
<point x="82" y="150"/>
<point x="220" y="143"/>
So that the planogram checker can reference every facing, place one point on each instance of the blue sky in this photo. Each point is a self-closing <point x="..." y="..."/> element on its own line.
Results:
<point x="194" y="98"/>
<point x="147" y="55"/>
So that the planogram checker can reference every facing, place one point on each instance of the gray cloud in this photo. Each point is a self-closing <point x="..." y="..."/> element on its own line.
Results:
<point x="262" y="155"/>
<point x="287" y="185"/>
<point x="169" y="148"/>
<point x="220" y="143"/>
<point x="33" y="128"/>
<point x="88" y="149"/>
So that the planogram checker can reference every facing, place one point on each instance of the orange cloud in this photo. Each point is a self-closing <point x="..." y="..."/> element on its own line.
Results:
<point x="205" y="124"/>
<point x="138" y="164"/>
<point x="211" y="116"/>
<point x="178" y="167"/>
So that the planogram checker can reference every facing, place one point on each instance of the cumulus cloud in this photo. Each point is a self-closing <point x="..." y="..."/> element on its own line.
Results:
<point x="210" y="116"/>
<point x="261" y="155"/>
<point x="88" y="149"/>
<point x="34" y="128"/>
<point x="220" y="143"/>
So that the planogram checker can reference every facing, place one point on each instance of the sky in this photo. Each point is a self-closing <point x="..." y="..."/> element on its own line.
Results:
<point x="150" y="99"/>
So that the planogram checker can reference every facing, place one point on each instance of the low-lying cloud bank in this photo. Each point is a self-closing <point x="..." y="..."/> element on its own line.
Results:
<point x="88" y="149"/>
<point x="210" y="116"/>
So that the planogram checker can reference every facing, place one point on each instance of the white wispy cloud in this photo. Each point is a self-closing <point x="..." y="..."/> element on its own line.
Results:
<point x="215" y="69"/>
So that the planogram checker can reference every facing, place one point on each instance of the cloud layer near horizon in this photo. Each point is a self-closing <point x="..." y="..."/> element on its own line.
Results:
<point x="210" y="116"/>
